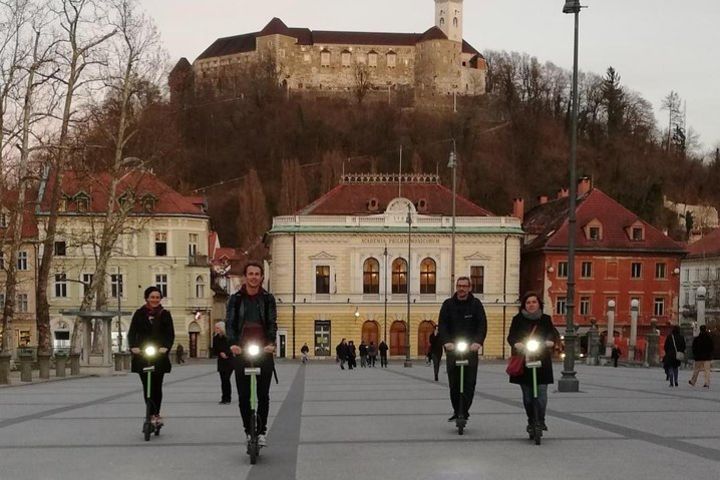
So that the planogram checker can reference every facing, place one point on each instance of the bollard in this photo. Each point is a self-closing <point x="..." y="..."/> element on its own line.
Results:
<point x="127" y="360"/>
<point x="74" y="364"/>
<point x="118" y="357"/>
<point x="593" y="343"/>
<point x="652" y="350"/>
<point x="44" y="364"/>
<point x="5" y="368"/>
<point x="26" y="368"/>
<point x="60" y="363"/>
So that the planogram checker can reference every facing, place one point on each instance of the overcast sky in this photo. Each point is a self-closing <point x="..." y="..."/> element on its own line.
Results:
<point x="655" y="45"/>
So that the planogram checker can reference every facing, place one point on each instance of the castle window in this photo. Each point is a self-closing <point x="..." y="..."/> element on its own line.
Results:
<point x="442" y="22"/>
<point x="372" y="59"/>
<point x="391" y="59"/>
<point x="325" y="58"/>
<point x="345" y="58"/>
<point x="455" y="22"/>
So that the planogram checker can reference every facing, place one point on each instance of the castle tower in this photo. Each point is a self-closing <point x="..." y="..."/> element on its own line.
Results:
<point x="449" y="18"/>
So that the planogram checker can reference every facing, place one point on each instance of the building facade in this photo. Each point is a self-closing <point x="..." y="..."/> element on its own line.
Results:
<point x="701" y="268"/>
<point x="350" y="266"/>
<point x="618" y="257"/>
<point x="163" y="242"/>
<point x="436" y="62"/>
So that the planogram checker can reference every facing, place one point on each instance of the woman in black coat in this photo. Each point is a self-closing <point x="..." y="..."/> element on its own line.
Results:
<point x="674" y="344"/>
<point x="152" y="325"/>
<point x="221" y="349"/>
<point x="521" y="329"/>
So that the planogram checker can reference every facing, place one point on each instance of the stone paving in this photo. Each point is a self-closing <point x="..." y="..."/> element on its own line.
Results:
<point x="363" y="424"/>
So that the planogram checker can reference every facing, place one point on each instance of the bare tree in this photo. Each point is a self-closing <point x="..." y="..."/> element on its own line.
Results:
<point x="363" y="81"/>
<point x="253" y="220"/>
<point x="293" y="189"/>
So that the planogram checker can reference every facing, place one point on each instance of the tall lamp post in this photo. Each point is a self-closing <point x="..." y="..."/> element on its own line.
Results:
<point x="453" y="164"/>
<point x="569" y="382"/>
<point x="408" y="363"/>
<point x="385" y="252"/>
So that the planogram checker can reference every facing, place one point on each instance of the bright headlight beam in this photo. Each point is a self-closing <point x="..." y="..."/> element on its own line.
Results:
<point x="462" y="346"/>
<point x="533" y="345"/>
<point x="253" y="350"/>
<point x="150" y="351"/>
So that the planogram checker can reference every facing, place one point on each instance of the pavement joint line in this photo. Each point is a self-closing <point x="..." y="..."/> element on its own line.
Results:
<point x="75" y="406"/>
<point x="281" y="458"/>
<point x="627" y="432"/>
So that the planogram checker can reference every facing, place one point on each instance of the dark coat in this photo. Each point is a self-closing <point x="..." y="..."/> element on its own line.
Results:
<point x="220" y="344"/>
<point x="363" y="349"/>
<point x="462" y="320"/>
<point x="159" y="332"/>
<point x="520" y="330"/>
<point x="702" y="347"/>
<point x="235" y="316"/>
<point x="436" y="345"/>
<point x="383" y="348"/>
<point x="670" y="359"/>
<point x="342" y="351"/>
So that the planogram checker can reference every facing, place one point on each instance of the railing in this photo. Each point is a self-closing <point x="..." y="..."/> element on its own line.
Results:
<point x="198" y="261"/>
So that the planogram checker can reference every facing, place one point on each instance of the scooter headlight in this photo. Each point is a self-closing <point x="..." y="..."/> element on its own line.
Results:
<point x="533" y="346"/>
<point x="462" y="346"/>
<point x="150" y="351"/>
<point x="253" y="350"/>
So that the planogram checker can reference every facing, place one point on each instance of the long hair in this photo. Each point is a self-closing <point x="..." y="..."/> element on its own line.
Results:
<point x="527" y="295"/>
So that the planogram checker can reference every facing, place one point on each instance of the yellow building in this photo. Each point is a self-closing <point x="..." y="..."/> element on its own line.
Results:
<point x="339" y="268"/>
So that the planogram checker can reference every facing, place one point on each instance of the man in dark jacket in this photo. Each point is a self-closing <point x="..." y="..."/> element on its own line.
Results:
<point x="702" y="348"/>
<point x="436" y="351"/>
<point x="462" y="318"/>
<point x="383" y="349"/>
<point x="342" y="353"/>
<point x="252" y="319"/>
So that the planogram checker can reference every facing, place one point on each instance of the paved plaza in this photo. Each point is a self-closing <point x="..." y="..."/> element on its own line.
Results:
<point x="362" y="424"/>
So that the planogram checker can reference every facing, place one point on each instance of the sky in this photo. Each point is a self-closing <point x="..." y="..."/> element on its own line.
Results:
<point x="655" y="45"/>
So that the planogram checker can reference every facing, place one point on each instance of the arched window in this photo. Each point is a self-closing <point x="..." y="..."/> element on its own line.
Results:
<point x="391" y="59"/>
<point x="345" y="58"/>
<point x="199" y="287"/>
<point x="399" y="276"/>
<point x="442" y="22"/>
<point x="455" y="22"/>
<point x="371" y="276"/>
<point x="428" y="276"/>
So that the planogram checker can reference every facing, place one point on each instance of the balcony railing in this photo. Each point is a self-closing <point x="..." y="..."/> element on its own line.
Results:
<point x="198" y="261"/>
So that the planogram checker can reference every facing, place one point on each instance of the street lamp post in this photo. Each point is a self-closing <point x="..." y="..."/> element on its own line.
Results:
<point x="453" y="164"/>
<point x="386" y="297"/>
<point x="634" y="309"/>
<point x="408" y="363"/>
<point x="569" y="382"/>
<point x="610" y="338"/>
<point x="700" y="305"/>
<point x="119" y="311"/>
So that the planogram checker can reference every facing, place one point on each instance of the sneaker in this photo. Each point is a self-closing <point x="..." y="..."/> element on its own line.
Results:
<point x="453" y="418"/>
<point x="262" y="440"/>
<point x="159" y="421"/>
<point x="543" y="426"/>
<point x="529" y="428"/>
<point x="691" y="383"/>
<point x="706" y="386"/>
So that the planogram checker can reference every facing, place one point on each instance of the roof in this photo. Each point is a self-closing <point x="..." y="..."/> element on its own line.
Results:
<point x="141" y="182"/>
<point x="549" y="221"/>
<point x="247" y="42"/>
<point x="708" y="246"/>
<point x="353" y="199"/>
<point x="29" y="226"/>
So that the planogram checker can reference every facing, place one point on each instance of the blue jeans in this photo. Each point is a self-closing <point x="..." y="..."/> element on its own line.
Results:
<point x="673" y="371"/>
<point x="527" y="391"/>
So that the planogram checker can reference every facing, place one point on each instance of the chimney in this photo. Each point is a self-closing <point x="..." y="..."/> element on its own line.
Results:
<point x="518" y="208"/>
<point x="584" y="186"/>
<point x="563" y="193"/>
<point x="542" y="199"/>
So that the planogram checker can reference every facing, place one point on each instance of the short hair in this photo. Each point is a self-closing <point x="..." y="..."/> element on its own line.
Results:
<point x="150" y="290"/>
<point x="221" y="326"/>
<point x="703" y="328"/>
<point x="463" y="278"/>
<point x="528" y="295"/>
<point x="253" y="263"/>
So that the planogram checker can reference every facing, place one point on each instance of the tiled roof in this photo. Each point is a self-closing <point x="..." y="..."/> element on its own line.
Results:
<point x="29" y="226"/>
<point x="247" y="42"/>
<point x="142" y="183"/>
<point x="352" y="199"/>
<point x="708" y="246"/>
<point x="549" y="222"/>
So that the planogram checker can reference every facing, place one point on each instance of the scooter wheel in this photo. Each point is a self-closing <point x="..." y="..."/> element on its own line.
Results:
<point x="538" y="435"/>
<point x="147" y="429"/>
<point x="253" y="451"/>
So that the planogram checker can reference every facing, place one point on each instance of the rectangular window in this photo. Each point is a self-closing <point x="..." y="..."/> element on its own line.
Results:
<point x="687" y="275"/>
<point x="560" y="305"/>
<point x="322" y="338"/>
<point x="87" y="279"/>
<point x="325" y="59"/>
<point x="477" y="278"/>
<point x="22" y="261"/>
<point x="586" y="270"/>
<point x="660" y="270"/>
<point x="584" y="305"/>
<point x="22" y="302"/>
<point x="2" y="300"/>
<point x="322" y="279"/>
<point x="637" y="233"/>
<point x="161" y="282"/>
<point x="2" y="261"/>
<point x="659" y="306"/>
<point x="60" y="249"/>
<point x="116" y="285"/>
<point x="24" y="338"/>
<point x="192" y="245"/>
<point x="562" y="271"/>
<point x="687" y="298"/>
<point x="372" y="60"/>
<point x="3" y="220"/>
<point x="594" y="233"/>
<point x="161" y="249"/>
<point x="636" y="270"/>
<point x="61" y="285"/>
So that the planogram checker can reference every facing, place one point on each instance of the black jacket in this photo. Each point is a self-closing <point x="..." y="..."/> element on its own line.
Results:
<point x="221" y="345"/>
<point x="670" y="359"/>
<point x="342" y="351"/>
<point x="436" y="345"/>
<point x="235" y="318"/>
<point x="160" y="332"/>
<point x="520" y="330"/>
<point x="702" y="347"/>
<point x="462" y="320"/>
<point x="383" y="348"/>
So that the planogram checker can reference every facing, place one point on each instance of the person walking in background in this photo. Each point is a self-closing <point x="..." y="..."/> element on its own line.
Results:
<point x="674" y="354"/>
<point x="180" y="354"/>
<point x="363" y="354"/>
<point x="702" y="348"/>
<point x="304" y="351"/>
<point x="221" y="349"/>
<point x="352" y="355"/>
<point x="436" y="351"/>
<point x="341" y="352"/>
<point x="372" y="354"/>
<point x="615" y="355"/>
<point x="383" y="348"/>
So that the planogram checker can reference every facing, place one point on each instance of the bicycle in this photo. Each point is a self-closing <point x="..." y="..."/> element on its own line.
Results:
<point x="533" y="363"/>
<point x="253" y="447"/>
<point x="149" y="352"/>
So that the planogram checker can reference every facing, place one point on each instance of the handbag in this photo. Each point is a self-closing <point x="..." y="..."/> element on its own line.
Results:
<point x="680" y="356"/>
<point x="516" y="363"/>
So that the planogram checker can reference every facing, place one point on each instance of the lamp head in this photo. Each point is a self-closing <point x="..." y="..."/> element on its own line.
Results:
<point x="572" y="6"/>
<point x="150" y="351"/>
<point x="462" y="346"/>
<point x="533" y="345"/>
<point x="253" y="350"/>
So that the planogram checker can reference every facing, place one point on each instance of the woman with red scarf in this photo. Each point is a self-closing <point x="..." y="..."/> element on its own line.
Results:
<point x="152" y="325"/>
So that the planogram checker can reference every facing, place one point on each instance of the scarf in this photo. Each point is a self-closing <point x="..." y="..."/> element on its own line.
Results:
<point x="532" y="316"/>
<point x="153" y="313"/>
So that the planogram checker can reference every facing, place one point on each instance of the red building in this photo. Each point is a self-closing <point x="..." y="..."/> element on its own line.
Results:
<point x="618" y="257"/>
